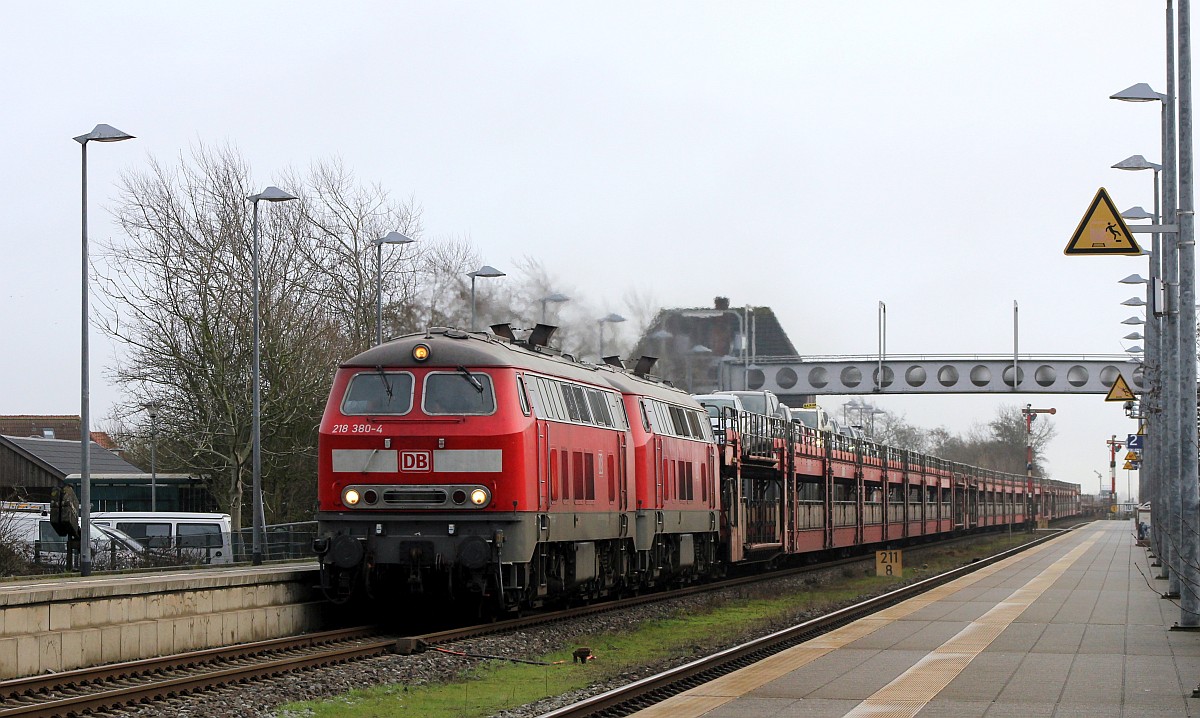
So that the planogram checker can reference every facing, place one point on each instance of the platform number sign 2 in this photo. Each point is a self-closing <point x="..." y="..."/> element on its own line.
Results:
<point x="889" y="563"/>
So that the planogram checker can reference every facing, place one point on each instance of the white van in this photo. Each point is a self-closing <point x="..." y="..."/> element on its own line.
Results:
<point x="181" y="535"/>
<point x="760" y="402"/>
<point x="812" y="416"/>
<point x="26" y="527"/>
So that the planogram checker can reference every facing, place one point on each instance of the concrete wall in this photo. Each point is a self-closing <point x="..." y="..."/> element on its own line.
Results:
<point x="61" y="624"/>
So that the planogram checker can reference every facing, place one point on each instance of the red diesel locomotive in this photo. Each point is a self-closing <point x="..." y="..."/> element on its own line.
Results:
<point x="478" y="467"/>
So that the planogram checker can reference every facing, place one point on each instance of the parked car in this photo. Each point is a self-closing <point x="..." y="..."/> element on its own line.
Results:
<point x="760" y="402"/>
<point x="813" y="416"/>
<point x="714" y="404"/>
<point x="27" y="526"/>
<point x="180" y="535"/>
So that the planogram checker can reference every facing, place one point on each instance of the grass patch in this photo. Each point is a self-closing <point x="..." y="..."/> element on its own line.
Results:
<point x="494" y="686"/>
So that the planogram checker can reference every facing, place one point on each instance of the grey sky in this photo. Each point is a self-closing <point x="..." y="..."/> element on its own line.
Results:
<point x="814" y="157"/>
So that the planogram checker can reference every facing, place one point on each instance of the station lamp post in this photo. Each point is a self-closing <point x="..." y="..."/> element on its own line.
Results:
<point x="152" y="410"/>
<point x="487" y="272"/>
<point x="698" y="350"/>
<point x="612" y="318"/>
<point x="270" y="194"/>
<point x="101" y="133"/>
<point x="556" y="298"/>
<point x="1168" y="411"/>
<point x="1030" y="414"/>
<point x="389" y="238"/>
<point x="744" y="348"/>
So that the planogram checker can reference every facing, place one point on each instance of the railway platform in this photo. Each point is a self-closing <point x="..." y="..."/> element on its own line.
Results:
<point x="51" y="624"/>
<point x="1073" y="627"/>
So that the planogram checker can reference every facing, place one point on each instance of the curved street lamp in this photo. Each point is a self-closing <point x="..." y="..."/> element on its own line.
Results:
<point x="556" y="298"/>
<point x="270" y="194"/>
<point x="101" y="133"/>
<point x="612" y="318"/>
<point x="487" y="272"/>
<point x="389" y="238"/>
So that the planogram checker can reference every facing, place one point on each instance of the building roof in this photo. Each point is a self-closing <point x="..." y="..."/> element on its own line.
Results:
<point x="690" y="342"/>
<point x="63" y="458"/>
<point x="50" y="426"/>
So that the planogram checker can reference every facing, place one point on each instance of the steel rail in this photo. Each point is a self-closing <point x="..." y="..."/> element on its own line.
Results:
<point x="155" y="678"/>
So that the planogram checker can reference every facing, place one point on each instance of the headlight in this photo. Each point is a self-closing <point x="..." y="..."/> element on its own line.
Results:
<point x="479" y="497"/>
<point x="350" y="498"/>
<point x="420" y="352"/>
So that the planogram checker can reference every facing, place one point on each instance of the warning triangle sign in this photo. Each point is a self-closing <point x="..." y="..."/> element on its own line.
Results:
<point x="1120" y="391"/>
<point x="1128" y="466"/>
<point x="1102" y="230"/>
<point x="1132" y="456"/>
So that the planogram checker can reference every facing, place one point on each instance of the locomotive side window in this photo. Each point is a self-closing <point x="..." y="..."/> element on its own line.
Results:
<point x="458" y="393"/>
<point x="569" y="402"/>
<point x="599" y="408"/>
<point x="693" y="418"/>
<point x="521" y="395"/>
<point x="577" y="393"/>
<point x="678" y="421"/>
<point x="378" y="392"/>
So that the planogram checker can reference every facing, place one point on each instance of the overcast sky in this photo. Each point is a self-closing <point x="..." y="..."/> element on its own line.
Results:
<point x="814" y="157"/>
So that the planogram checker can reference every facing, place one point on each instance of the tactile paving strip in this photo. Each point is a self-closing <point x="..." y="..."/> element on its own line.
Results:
<point x="702" y="699"/>
<point x="909" y="692"/>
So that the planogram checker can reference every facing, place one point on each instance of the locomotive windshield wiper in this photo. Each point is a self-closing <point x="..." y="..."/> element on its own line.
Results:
<point x="471" y="378"/>
<point x="387" y="385"/>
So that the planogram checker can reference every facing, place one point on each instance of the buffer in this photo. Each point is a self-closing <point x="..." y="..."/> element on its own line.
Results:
<point x="1102" y="230"/>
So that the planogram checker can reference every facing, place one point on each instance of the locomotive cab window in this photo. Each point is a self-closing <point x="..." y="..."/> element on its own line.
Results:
<point x="458" y="393"/>
<point x="378" y="392"/>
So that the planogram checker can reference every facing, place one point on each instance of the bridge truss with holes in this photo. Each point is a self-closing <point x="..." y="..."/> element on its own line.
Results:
<point x="917" y="374"/>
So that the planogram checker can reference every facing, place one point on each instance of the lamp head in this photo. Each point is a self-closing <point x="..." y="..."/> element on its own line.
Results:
<point x="1132" y="279"/>
<point x="613" y="317"/>
<point x="394" y="238"/>
<point x="103" y="133"/>
<point x="556" y="297"/>
<point x="272" y="194"/>
<point x="1140" y="92"/>
<point x="486" y="271"/>
<point x="1136" y="162"/>
<point x="1136" y="212"/>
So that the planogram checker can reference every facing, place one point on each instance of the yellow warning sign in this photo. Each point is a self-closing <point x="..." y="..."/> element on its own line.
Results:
<point x="1133" y="456"/>
<point x="1129" y="466"/>
<point x="1102" y="230"/>
<point x="1120" y="391"/>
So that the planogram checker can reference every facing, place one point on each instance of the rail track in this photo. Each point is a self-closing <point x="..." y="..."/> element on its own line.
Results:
<point x="120" y="685"/>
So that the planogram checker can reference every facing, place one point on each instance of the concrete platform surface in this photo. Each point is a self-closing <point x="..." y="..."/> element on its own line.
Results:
<point x="1074" y="627"/>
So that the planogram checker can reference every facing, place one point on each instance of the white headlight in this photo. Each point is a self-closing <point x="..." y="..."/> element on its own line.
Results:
<point x="479" y="497"/>
<point x="350" y="498"/>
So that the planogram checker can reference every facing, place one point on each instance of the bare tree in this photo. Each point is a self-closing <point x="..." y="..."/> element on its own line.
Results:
<point x="342" y="221"/>
<point x="178" y="296"/>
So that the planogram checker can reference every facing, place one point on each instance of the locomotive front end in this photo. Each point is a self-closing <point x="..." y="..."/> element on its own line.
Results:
<point x="421" y="466"/>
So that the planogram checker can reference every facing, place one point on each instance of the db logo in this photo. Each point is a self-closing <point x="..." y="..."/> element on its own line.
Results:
<point x="416" y="461"/>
